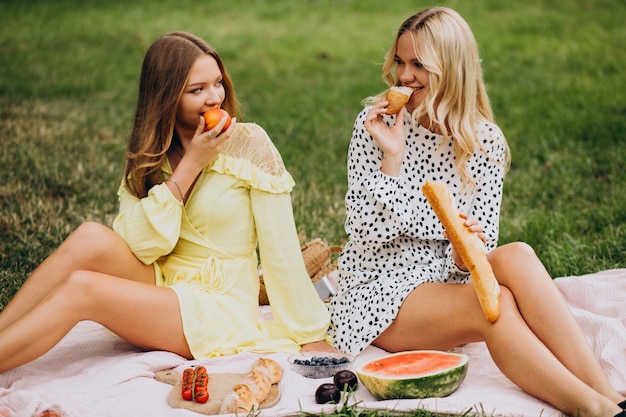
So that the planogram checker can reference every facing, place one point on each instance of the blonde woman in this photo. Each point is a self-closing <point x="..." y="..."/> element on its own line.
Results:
<point x="402" y="286"/>
<point x="179" y="273"/>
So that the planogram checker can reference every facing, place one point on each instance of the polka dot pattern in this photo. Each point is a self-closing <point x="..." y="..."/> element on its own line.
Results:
<point x="395" y="240"/>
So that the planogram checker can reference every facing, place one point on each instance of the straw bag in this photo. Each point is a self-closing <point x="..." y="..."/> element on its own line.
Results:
<point x="318" y="261"/>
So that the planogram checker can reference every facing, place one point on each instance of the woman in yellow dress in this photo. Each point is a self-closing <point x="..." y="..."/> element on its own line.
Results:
<point x="178" y="272"/>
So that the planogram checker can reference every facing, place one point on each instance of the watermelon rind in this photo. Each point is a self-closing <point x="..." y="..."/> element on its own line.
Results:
<point x="439" y="383"/>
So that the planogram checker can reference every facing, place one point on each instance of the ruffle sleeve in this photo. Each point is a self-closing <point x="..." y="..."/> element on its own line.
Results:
<point x="250" y="155"/>
<point x="151" y="225"/>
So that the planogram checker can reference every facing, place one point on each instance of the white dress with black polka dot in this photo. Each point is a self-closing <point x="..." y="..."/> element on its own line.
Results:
<point x="395" y="240"/>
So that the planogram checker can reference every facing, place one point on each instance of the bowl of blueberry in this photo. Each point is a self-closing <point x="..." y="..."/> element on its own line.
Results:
<point x="320" y="364"/>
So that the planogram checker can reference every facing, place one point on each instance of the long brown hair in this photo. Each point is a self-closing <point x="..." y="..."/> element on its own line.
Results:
<point x="456" y="98"/>
<point x="164" y="74"/>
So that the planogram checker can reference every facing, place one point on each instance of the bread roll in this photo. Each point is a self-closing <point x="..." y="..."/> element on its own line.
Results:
<point x="270" y="367"/>
<point x="469" y="247"/>
<point x="240" y="400"/>
<point x="397" y="97"/>
<point x="254" y="388"/>
<point x="259" y="383"/>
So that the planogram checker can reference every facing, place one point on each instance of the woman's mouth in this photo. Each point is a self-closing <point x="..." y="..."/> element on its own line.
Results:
<point x="416" y="90"/>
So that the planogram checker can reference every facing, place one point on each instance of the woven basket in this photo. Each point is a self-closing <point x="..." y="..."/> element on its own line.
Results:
<point x="318" y="261"/>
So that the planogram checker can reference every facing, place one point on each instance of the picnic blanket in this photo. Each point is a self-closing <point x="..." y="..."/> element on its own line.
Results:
<point x="92" y="372"/>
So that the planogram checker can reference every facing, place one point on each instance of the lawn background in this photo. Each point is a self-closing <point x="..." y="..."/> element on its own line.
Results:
<point x="555" y="72"/>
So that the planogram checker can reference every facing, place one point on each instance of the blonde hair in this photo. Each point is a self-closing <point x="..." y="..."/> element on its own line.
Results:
<point x="456" y="98"/>
<point x="164" y="74"/>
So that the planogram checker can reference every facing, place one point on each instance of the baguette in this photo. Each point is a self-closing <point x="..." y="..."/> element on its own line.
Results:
<point x="469" y="247"/>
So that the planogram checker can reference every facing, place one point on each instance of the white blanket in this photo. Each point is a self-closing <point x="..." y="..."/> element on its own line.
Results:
<point x="92" y="372"/>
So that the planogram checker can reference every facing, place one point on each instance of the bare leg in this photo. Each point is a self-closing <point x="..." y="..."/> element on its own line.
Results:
<point x="547" y="314"/>
<point x="441" y="316"/>
<point x="143" y="314"/>
<point x="91" y="247"/>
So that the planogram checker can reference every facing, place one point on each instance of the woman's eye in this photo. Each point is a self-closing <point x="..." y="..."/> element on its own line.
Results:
<point x="196" y="90"/>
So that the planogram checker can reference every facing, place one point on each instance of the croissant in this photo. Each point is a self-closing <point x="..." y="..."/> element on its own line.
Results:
<point x="397" y="97"/>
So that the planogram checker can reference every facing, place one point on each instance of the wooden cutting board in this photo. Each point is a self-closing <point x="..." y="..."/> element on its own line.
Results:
<point x="219" y="386"/>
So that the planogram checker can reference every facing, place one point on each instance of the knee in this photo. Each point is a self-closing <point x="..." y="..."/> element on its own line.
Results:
<point x="92" y="240"/>
<point x="519" y="250"/>
<point x="75" y="290"/>
<point x="90" y="230"/>
<point x="515" y="254"/>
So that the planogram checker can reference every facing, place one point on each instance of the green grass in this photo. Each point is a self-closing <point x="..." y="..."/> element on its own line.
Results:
<point x="556" y="74"/>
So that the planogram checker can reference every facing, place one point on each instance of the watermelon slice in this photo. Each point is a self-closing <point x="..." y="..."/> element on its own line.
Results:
<point x="414" y="374"/>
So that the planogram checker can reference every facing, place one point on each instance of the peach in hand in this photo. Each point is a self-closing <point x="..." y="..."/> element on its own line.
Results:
<point x="213" y="116"/>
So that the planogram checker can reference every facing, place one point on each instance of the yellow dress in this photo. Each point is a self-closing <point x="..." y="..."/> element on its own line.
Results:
<point x="206" y="251"/>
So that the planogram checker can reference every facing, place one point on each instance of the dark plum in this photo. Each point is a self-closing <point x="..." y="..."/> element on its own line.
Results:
<point x="327" y="393"/>
<point x="346" y="380"/>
